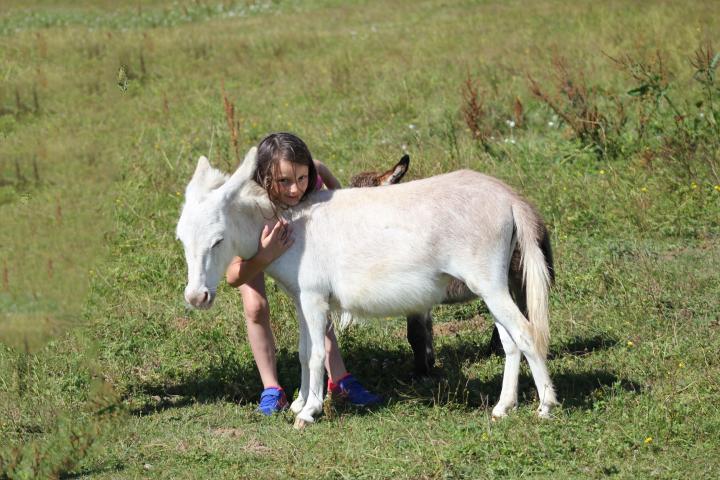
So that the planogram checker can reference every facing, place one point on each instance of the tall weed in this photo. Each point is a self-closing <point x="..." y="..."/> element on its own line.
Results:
<point x="687" y="140"/>
<point x="595" y="117"/>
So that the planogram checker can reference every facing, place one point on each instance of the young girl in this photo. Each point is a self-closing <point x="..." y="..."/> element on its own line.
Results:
<point x="287" y="171"/>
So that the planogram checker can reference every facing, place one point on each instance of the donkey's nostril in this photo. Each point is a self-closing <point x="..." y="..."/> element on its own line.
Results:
<point x="199" y="297"/>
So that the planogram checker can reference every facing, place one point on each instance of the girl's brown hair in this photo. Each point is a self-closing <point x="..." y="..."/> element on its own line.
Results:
<point x="283" y="146"/>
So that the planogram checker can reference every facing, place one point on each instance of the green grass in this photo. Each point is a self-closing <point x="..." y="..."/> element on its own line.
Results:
<point x="105" y="374"/>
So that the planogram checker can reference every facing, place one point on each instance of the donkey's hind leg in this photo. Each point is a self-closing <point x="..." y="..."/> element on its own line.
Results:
<point x="506" y="313"/>
<point x="519" y="295"/>
<point x="516" y="325"/>
<point x="513" y="357"/>
<point x="420" y="337"/>
<point x="509" y="392"/>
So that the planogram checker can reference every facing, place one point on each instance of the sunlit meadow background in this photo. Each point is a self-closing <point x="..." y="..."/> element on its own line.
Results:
<point x="604" y="114"/>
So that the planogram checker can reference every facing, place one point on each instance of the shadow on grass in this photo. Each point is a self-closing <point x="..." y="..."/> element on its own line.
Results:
<point x="227" y="380"/>
<point x="387" y="370"/>
<point x="581" y="390"/>
<point x="580" y="346"/>
<point x="449" y="384"/>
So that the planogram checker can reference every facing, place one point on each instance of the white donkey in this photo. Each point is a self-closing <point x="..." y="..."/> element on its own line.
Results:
<point x="461" y="225"/>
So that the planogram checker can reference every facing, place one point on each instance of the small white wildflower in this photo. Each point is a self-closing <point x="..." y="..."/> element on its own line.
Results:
<point x="404" y="148"/>
<point x="411" y="126"/>
<point x="702" y="115"/>
<point x="512" y="140"/>
<point x="551" y="123"/>
<point x="510" y="123"/>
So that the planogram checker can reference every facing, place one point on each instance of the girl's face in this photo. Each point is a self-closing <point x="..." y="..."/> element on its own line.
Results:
<point x="290" y="182"/>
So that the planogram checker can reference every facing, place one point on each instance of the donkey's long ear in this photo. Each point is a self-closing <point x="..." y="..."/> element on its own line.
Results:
<point x="395" y="174"/>
<point x="242" y="175"/>
<point x="400" y="169"/>
<point x="203" y="166"/>
<point x="197" y="182"/>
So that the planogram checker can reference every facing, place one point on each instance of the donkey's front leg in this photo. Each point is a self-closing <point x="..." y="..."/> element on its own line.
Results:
<point x="303" y="353"/>
<point x="314" y="314"/>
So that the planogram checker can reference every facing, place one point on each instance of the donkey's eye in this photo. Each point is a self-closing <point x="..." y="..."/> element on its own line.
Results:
<point x="217" y="243"/>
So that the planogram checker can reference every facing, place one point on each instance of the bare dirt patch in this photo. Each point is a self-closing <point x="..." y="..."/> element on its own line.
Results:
<point x="181" y="323"/>
<point x="256" y="446"/>
<point x="454" y="327"/>
<point x="227" y="432"/>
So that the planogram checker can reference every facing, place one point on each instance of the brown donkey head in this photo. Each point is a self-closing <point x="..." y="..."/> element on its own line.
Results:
<point x="376" y="179"/>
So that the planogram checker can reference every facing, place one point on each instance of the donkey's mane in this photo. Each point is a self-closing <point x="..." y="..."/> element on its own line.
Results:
<point x="213" y="179"/>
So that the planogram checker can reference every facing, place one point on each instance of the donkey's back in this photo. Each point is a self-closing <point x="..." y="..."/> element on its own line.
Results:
<point x="393" y="250"/>
<point x="436" y="207"/>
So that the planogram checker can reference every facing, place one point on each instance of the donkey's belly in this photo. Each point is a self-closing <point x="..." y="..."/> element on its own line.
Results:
<point x="392" y="294"/>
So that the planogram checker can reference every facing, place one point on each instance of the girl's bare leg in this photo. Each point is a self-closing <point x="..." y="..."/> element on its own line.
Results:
<point x="260" y="336"/>
<point x="333" y="360"/>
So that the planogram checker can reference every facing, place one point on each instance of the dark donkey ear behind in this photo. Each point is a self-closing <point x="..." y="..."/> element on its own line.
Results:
<point x="399" y="171"/>
<point x="389" y="177"/>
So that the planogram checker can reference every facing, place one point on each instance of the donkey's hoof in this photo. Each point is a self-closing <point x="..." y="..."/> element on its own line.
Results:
<point x="545" y="412"/>
<point x="301" y="422"/>
<point x="501" y="411"/>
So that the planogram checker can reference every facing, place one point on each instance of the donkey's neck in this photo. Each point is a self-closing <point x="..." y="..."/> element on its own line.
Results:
<point x="249" y="213"/>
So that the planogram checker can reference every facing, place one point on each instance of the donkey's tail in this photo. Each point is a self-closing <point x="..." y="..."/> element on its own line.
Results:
<point x="536" y="259"/>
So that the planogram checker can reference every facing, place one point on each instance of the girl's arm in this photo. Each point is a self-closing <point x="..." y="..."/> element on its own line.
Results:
<point x="242" y="271"/>
<point x="328" y="178"/>
<point x="273" y="243"/>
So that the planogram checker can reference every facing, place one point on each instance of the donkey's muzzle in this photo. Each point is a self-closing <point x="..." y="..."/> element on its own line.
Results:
<point x="199" y="298"/>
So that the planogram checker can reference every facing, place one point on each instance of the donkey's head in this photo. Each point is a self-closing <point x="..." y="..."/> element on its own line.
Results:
<point x="377" y="179"/>
<point x="206" y="226"/>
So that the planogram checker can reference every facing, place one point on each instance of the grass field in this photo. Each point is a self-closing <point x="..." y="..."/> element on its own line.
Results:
<point x="604" y="114"/>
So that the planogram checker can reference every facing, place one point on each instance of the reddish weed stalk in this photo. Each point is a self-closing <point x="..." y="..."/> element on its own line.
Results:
<point x="233" y="125"/>
<point x="518" y="113"/>
<point x="475" y="113"/>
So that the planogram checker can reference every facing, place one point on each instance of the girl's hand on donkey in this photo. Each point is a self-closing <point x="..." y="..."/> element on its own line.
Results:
<point x="274" y="242"/>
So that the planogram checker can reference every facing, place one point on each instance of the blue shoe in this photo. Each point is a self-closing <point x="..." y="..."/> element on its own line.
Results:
<point x="349" y="389"/>
<point x="272" y="400"/>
